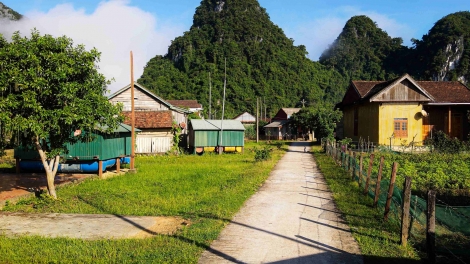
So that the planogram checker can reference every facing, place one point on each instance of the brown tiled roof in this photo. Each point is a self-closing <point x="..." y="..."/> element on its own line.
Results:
<point x="363" y="87"/>
<point x="185" y="103"/>
<point x="150" y="119"/>
<point x="442" y="92"/>
<point x="447" y="92"/>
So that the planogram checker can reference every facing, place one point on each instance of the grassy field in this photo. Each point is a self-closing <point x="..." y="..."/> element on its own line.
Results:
<point x="208" y="190"/>
<point x="379" y="240"/>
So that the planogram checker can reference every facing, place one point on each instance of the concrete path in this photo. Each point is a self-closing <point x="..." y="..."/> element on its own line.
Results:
<point x="291" y="219"/>
<point x="87" y="226"/>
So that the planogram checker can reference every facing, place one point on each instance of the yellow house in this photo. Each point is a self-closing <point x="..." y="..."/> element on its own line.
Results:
<point x="390" y="112"/>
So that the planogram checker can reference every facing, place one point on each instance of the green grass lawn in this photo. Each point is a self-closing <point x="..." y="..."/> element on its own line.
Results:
<point x="208" y="190"/>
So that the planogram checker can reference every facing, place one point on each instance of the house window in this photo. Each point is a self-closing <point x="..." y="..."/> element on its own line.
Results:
<point x="400" y="127"/>
<point x="356" y="121"/>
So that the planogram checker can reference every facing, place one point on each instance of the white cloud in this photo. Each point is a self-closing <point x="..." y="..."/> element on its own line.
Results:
<point x="114" y="28"/>
<point x="318" y="34"/>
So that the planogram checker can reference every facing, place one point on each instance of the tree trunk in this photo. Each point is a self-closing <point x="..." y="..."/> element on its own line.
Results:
<point x="51" y="168"/>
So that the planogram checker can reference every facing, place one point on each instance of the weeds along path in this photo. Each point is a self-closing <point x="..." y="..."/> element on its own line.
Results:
<point x="292" y="218"/>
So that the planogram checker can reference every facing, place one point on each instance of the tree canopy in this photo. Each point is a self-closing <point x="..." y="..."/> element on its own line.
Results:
<point x="321" y="118"/>
<point x="48" y="89"/>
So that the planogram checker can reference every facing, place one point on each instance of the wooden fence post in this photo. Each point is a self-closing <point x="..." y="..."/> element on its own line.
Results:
<point x="361" y="161"/>
<point x="390" y="190"/>
<point x="354" y="165"/>
<point x="379" y="179"/>
<point x="431" y="227"/>
<point x="405" y="219"/>
<point x="100" y="168"/>
<point x="369" y="171"/>
<point x="118" y="165"/>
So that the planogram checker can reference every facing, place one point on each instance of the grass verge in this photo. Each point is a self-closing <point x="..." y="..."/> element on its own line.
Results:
<point x="206" y="189"/>
<point x="379" y="240"/>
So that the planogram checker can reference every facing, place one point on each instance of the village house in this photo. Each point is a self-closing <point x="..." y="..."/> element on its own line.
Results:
<point x="279" y="127"/>
<point x="403" y="110"/>
<point x="154" y="116"/>
<point x="245" y="118"/>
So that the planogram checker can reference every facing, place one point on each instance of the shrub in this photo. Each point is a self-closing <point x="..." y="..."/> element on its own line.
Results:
<point x="262" y="154"/>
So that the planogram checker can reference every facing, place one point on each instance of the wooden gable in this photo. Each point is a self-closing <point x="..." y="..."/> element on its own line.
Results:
<point x="142" y="101"/>
<point x="402" y="91"/>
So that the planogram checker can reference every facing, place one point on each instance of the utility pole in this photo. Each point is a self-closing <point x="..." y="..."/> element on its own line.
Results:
<point x="223" y="110"/>
<point x="257" y="121"/>
<point x="132" y="169"/>
<point x="303" y="103"/>
<point x="210" y="96"/>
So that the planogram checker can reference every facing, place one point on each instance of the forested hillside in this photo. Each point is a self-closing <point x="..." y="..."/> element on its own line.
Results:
<point x="261" y="62"/>
<point x="6" y="12"/>
<point x="361" y="50"/>
<point x="365" y="52"/>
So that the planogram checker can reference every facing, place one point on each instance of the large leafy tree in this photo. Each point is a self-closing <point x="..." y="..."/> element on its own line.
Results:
<point x="48" y="89"/>
<point x="321" y="118"/>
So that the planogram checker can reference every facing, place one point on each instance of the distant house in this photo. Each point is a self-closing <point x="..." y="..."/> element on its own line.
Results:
<point x="279" y="127"/>
<point x="191" y="105"/>
<point x="245" y="118"/>
<point x="153" y="115"/>
<point x="389" y="112"/>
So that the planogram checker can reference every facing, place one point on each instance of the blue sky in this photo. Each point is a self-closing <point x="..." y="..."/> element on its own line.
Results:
<point x="147" y="26"/>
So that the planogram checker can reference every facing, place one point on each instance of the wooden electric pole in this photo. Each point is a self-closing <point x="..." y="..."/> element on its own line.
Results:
<point x="132" y="169"/>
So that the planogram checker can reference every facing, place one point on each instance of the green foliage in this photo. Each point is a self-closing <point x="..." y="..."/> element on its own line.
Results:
<point x="263" y="153"/>
<point x="261" y="62"/>
<point x="439" y="171"/>
<point x="441" y="142"/>
<point x="50" y="88"/>
<point x="321" y="118"/>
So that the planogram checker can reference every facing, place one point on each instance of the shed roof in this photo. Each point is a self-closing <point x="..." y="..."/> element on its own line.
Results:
<point x="185" y="103"/>
<point x="209" y="124"/>
<point x="150" y="119"/>
<point x="122" y="128"/>
<point x="277" y="123"/>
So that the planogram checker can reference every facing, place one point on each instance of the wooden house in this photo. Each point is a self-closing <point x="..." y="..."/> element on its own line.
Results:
<point x="154" y="116"/>
<point x="279" y="127"/>
<point x="390" y="112"/>
<point x="245" y="118"/>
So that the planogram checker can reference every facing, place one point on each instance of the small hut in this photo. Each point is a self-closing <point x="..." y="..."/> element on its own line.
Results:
<point x="204" y="135"/>
<point x="102" y="151"/>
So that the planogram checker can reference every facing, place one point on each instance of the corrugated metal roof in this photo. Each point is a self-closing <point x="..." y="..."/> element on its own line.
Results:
<point x="206" y="124"/>
<point x="277" y="123"/>
<point x="121" y="128"/>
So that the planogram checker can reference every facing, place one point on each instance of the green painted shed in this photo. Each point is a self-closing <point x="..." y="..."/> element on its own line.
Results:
<point x="101" y="146"/>
<point x="204" y="135"/>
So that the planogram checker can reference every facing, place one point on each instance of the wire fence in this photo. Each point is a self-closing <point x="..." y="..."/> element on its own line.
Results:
<point x="450" y="240"/>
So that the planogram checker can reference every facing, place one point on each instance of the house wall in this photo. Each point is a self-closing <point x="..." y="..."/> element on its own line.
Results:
<point x="389" y="111"/>
<point x="155" y="140"/>
<point x="368" y="122"/>
<point x="141" y="101"/>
